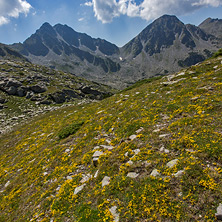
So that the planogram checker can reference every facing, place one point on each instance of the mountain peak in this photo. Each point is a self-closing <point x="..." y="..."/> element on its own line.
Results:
<point x="45" y="25"/>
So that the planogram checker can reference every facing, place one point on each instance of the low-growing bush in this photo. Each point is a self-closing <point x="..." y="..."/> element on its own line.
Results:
<point x="218" y="53"/>
<point x="69" y="130"/>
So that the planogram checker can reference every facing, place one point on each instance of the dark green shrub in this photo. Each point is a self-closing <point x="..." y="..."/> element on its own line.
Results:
<point x="218" y="53"/>
<point x="69" y="130"/>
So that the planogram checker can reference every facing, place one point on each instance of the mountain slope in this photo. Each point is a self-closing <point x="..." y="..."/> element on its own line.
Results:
<point x="63" y="48"/>
<point x="27" y="90"/>
<point x="152" y="153"/>
<point x="163" y="47"/>
<point x="7" y="53"/>
<point x="212" y="26"/>
<point x="166" y="45"/>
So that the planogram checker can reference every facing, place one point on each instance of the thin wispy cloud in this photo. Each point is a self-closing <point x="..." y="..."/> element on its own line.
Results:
<point x="12" y="9"/>
<point x="106" y="10"/>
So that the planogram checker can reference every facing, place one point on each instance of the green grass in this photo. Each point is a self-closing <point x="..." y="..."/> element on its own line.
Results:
<point x="44" y="171"/>
<point x="69" y="130"/>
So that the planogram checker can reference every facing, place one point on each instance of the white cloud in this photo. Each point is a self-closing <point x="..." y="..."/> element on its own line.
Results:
<point x="12" y="8"/>
<point x="106" y="10"/>
<point x="3" y="20"/>
<point x="81" y="19"/>
<point x="88" y="4"/>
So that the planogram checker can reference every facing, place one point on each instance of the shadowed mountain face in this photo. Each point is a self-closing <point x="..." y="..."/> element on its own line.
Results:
<point x="63" y="48"/>
<point x="163" y="47"/>
<point x="212" y="26"/>
<point x="6" y="52"/>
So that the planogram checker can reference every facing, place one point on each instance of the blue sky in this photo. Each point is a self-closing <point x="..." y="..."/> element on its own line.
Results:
<point x="117" y="21"/>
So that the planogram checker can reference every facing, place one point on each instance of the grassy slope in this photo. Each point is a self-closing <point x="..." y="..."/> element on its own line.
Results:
<point x="188" y="116"/>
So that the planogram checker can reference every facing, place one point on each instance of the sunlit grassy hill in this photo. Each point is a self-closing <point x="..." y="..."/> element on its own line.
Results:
<point x="150" y="153"/>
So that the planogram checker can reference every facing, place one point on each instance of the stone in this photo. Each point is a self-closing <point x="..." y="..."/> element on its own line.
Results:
<point x="132" y="175"/>
<point x="96" y="147"/>
<point x="155" y="173"/>
<point x="105" y="181"/>
<point x="14" y="83"/>
<point x="95" y="161"/>
<point x="130" y="162"/>
<point x="166" y="151"/>
<point x="85" y="178"/>
<point x="139" y="130"/>
<point x="156" y="130"/>
<point x="146" y="163"/>
<point x="114" y="213"/>
<point x="7" y="184"/>
<point x="21" y="92"/>
<point x="37" y="89"/>
<point x="164" y="135"/>
<point x="2" y="101"/>
<point x="12" y="90"/>
<point x="96" y="174"/>
<point x="136" y="151"/>
<point x="97" y="153"/>
<point x="69" y="178"/>
<point x="218" y="214"/>
<point x="179" y="173"/>
<point x="78" y="189"/>
<point x="132" y="137"/>
<point x="107" y="147"/>
<point x="172" y="163"/>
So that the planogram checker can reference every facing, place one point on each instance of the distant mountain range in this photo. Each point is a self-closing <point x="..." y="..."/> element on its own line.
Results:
<point x="162" y="47"/>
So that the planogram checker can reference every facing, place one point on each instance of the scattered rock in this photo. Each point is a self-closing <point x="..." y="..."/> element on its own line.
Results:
<point x="107" y="147"/>
<point x="194" y="99"/>
<point x="218" y="214"/>
<point x="2" y="101"/>
<point x="105" y="181"/>
<point x="130" y="162"/>
<point x="139" y="130"/>
<point x="69" y="178"/>
<point x="114" y="213"/>
<point x="172" y="163"/>
<point x="78" y="189"/>
<point x="164" y="135"/>
<point x="155" y="173"/>
<point x="85" y="178"/>
<point x="162" y="149"/>
<point x="136" y="151"/>
<point x="12" y="90"/>
<point x="179" y="173"/>
<point x="7" y="184"/>
<point x="37" y="89"/>
<point x="96" y="174"/>
<point x="132" y="137"/>
<point x="132" y="175"/>
<point x="97" y="153"/>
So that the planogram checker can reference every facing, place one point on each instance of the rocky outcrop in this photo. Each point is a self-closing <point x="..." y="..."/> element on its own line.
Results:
<point x="46" y="87"/>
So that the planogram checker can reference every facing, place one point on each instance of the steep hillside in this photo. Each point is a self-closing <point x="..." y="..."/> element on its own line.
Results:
<point x="7" y="53"/>
<point x="150" y="153"/>
<point x="63" y="48"/>
<point x="212" y="26"/>
<point x="27" y="90"/>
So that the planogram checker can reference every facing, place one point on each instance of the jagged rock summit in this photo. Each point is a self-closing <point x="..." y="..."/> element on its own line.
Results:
<point x="163" y="47"/>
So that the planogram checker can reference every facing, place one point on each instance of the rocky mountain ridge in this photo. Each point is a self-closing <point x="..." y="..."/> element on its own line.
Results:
<point x="212" y="26"/>
<point x="27" y="89"/>
<point x="163" y="47"/>
<point x="63" y="48"/>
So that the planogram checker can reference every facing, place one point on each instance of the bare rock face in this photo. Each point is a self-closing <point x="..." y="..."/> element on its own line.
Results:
<point x="219" y="212"/>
